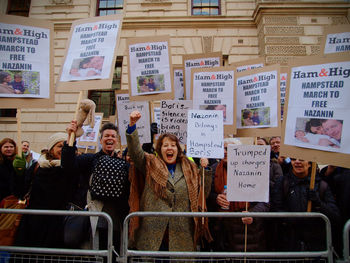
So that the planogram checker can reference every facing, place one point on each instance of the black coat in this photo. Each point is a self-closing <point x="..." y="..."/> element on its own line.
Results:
<point x="10" y="182"/>
<point x="302" y="234"/>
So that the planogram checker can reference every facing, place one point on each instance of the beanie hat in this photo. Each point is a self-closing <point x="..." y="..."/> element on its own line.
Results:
<point x="55" y="138"/>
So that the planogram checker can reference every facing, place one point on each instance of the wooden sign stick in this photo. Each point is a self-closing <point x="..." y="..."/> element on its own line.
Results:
<point x="72" y="135"/>
<point x="19" y="133"/>
<point x="312" y="184"/>
<point x="203" y="196"/>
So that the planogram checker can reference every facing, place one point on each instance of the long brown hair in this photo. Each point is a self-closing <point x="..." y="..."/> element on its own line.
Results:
<point x="171" y="137"/>
<point x="2" y="142"/>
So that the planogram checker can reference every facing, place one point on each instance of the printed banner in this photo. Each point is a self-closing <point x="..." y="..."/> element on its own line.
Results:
<point x="91" y="49"/>
<point x="318" y="107"/>
<point x="336" y="39"/>
<point x="205" y="134"/>
<point x="24" y="61"/>
<point x="208" y="60"/>
<point x="149" y="68"/>
<point x="213" y="89"/>
<point x="248" y="168"/>
<point x="173" y="116"/>
<point x="179" y="92"/>
<point x="91" y="134"/>
<point x="124" y="108"/>
<point x="257" y="100"/>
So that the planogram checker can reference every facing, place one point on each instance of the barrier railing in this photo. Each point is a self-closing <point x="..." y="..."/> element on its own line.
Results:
<point x="62" y="251"/>
<point x="346" y="256"/>
<point x="127" y="253"/>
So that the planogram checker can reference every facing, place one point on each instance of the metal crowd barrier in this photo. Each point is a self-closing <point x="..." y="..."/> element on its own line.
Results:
<point x="44" y="255"/>
<point x="346" y="256"/>
<point x="128" y="255"/>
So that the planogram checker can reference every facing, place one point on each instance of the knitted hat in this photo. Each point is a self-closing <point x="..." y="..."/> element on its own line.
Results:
<point x="55" y="138"/>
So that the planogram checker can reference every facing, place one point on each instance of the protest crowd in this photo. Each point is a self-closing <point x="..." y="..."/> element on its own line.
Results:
<point x="162" y="178"/>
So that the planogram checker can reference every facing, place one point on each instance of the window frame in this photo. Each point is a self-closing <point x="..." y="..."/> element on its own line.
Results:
<point x="218" y="8"/>
<point x="98" y="9"/>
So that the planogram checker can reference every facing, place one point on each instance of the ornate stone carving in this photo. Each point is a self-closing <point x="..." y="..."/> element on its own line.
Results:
<point x="339" y="20"/>
<point x="284" y="30"/>
<point x="277" y="60"/>
<point x="286" y="50"/>
<point x="281" y="20"/>
<point x="282" y="40"/>
<point x="315" y="50"/>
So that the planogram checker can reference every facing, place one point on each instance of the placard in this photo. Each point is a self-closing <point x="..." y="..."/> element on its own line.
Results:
<point x="248" y="169"/>
<point x="318" y="97"/>
<point x="258" y="102"/>
<point x="173" y="118"/>
<point x="205" y="134"/>
<point x="26" y="63"/>
<point x="155" y="111"/>
<point x="179" y="92"/>
<point x="150" y="69"/>
<point x="249" y="64"/>
<point x="283" y="87"/>
<point x="123" y="108"/>
<point x="90" y="57"/>
<point x="207" y="60"/>
<point x="213" y="89"/>
<point x="336" y="39"/>
<point x="91" y="134"/>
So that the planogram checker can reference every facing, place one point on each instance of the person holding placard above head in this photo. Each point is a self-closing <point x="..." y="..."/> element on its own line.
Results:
<point x="171" y="183"/>
<point x="291" y="194"/>
<point x="228" y="233"/>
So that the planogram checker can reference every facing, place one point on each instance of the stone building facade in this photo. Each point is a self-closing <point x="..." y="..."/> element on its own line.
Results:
<point x="245" y="29"/>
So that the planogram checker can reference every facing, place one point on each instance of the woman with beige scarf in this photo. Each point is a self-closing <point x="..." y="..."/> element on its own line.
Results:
<point x="165" y="182"/>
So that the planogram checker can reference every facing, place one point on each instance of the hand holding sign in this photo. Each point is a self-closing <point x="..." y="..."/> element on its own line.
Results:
<point x="134" y="117"/>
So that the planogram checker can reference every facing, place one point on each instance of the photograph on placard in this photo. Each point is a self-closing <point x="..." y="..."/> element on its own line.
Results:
<point x="150" y="83"/>
<point x="87" y="67"/>
<point x="221" y="107"/>
<point x="255" y="116"/>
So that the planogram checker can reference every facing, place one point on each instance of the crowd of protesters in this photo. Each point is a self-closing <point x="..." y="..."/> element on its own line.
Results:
<point x="162" y="178"/>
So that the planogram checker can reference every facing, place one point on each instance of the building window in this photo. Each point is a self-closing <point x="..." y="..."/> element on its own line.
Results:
<point x="15" y="8"/>
<point x="105" y="99"/>
<point x="109" y="7"/>
<point x="206" y="7"/>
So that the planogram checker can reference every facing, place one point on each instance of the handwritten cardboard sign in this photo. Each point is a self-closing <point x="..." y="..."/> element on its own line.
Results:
<point x="205" y="134"/>
<point x="173" y="118"/>
<point x="124" y="108"/>
<point x="248" y="168"/>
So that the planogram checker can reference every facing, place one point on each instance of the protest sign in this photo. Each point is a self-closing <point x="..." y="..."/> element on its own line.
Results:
<point x="150" y="69"/>
<point x="336" y="39"/>
<point x="317" y="111"/>
<point x="91" y="134"/>
<point x="179" y="93"/>
<point x="248" y="168"/>
<point x="213" y="89"/>
<point x="205" y="134"/>
<point x="249" y="64"/>
<point x="207" y="60"/>
<point x="26" y="63"/>
<point x="123" y="108"/>
<point x="283" y="87"/>
<point x="91" y="54"/>
<point x="173" y="118"/>
<point x="258" y="102"/>
<point x="155" y="111"/>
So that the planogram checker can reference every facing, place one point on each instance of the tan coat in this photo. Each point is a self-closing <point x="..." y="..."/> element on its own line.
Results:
<point x="150" y="234"/>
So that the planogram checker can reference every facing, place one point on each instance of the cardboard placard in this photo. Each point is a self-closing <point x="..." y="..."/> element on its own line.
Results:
<point x="248" y="169"/>
<point x="150" y="68"/>
<point x="91" y="54"/>
<point x="173" y="118"/>
<point x="123" y="109"/>
<point x="179" y="92"/>
<point x="91" y="134"/>
<point x="213" y="89"/>
<point x="205" y="135"/>
<point x="155" y="111"/>
<point x="207" y="60"/>
<point x="258" y="102"/>
<point x="283" y="87"/>
<point x="317" y="112"/>
<point x="249" y="64"/>
<point x="26" y="60"/>
<point x="336" y="39"/>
